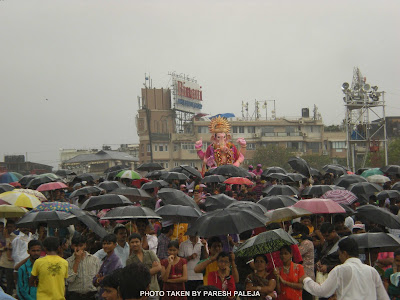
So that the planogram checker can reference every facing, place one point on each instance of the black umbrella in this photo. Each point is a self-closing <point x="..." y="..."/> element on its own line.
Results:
<point x="176" y="197"/>
<point x="133" y="194"/>
<point x="38" y="180"/>
<point x="280" y="190"/>
<point x="391" y="169"/>
<point x="228" y="171"/>
<point x="279" y="201"/>
<point x="315" y="172"/>
<point x="226" y="221"/>
<point x="213" y="179"/>
<point x="54" y="219"/>
<point x="174" y="176"/>
<point x="25" y="179"/>
<point x="214" y="202"/>
<point x="300" y="165"/>
<point x="154" y="184"/>
<point x="89" y="222"/>
<point x="378" y="215"/>
<point x="361" y="170"/>
<point x="151" y="166"/>
<point x="131" y="213"/>
<point x="110" y="185"/>
<point x="388" y="194"/>
<point x="384" y="241"/>
<point x="86" y="191"/>
<point x="296" y="176"/>
<point x="318" y="190"/>
<point x="346" y="180"/>
<point x="336" y="170"/>
<point x="155" y="174"/>
<point x="279" y="176"/>
<point x="64" y="173"/>
<point x="105" y="201"/>
<point x="5" y="187"/>
<point x="348" y="209"/>
<point x="364" y="188"/>
<point x="178" y="213"/>
<point x="86" y="177"/>
<point x="187" y="170"/>
<point x="117" y="168"/>
<point x="249" y="205"/>
<point x="396" y="186"/>
<point x="273" y="170"/>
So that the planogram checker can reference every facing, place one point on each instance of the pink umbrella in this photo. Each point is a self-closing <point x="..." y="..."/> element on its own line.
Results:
<point x="320" y="206"/>
<point x="238" y="180"/>
<point x="340" y="196"/>
<point x="51" y="186"/>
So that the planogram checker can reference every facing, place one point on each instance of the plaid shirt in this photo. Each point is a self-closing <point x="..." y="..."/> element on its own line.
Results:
<point x="162" y="249"/>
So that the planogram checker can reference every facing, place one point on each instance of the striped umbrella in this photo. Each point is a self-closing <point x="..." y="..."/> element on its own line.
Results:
<point x="129" y="174"/>
<point x="20" y="199"/>
<point x="340" y="196"/>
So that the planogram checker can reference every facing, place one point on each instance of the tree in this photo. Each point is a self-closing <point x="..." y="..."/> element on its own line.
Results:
<point x="272" y="155"/>
<point x="317" y="161"/>
<point x="378" y="159"/>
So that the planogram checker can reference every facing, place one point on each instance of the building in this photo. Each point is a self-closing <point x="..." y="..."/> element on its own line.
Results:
<point x="17" y="163"/>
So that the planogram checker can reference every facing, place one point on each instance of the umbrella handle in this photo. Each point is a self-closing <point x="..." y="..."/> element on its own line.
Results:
<point x="272" y="259"/>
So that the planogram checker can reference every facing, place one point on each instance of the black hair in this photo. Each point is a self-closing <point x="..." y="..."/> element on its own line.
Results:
<point x="12" y="222"/>
<point x="396" y="253"/>
<point x="350" y="246"/>
<point x="212" y="240"/>
<point x="167" y="228"/>
<point x="327" y="228"/>
<point x="112" y="280"/>
<point x="135" y="236"/>
<point x="305" y="218"/>
<point x="222" y="254"/>
<point x="51" y="243"/>
<point x="140" y="275"/>
<point x="245" y="235"/>
<point x="145" y="221"/>
<point x="173" y="243"/>
<point x="109" y="238"/>
<point x="287" y="248"/>
<point x="303" y="229"/>
<point x="261" y="256"/>
<point x="77" y="240"/>
<point x="116" y="229"/>
<point x="33" y="243"/>
<point x="339" y="219"/>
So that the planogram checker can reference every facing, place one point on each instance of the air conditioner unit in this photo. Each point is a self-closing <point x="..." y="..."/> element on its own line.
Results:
<point x="301" y="122"/>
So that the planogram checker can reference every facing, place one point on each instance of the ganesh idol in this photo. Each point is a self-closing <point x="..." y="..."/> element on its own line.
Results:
<point x="221" y="151"/>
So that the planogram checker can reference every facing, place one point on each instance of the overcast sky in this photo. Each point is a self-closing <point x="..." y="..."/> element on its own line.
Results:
<point x="71" y="71"/>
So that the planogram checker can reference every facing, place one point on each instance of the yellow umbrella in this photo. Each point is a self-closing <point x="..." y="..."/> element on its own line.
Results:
<point x="35" y="193"/>
<point x="20" y="199"/>
<point x="11" y="211"/>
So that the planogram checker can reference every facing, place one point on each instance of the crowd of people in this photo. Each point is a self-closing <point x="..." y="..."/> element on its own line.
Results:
<point x="153" y="259"/>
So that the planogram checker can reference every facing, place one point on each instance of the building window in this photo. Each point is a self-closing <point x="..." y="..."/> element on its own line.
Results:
<point x="251" y="129"/>
<point x="251" y="146"/>
<point x="166" y="147"/>
<point x="338" y="145"/>
<point x="161" y="147"/>
<point x="234" y="129"/>
<point x="175" y="147"/>
<point x="314" y="147"/>
<point x="192" y="164"/>
<point x="166" y="165"/>
<point x="202" y="129"/>
<point x="187" y="146"/>
<point x="148" y="148"/>
<point x="155" y="147"/>
<point x="176" y="164"/>
<point x="241" y="129"/>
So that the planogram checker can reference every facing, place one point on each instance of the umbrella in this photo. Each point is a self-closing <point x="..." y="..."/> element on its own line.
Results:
<point x="116" y="168"/>
<point x="315" y="172"/>
<point x="11" y="211"/>
<point x="320" y="206"/>
<point x="336" y="170"/>
<point x="56" y="205"/>
<point x="258" y="208"/>
<point x="391" y="169"/>
<point x="318" y="190"/>
<point x="105" y="201"/>
<point x="154" y="184"/>
<point x="370" y="172"/>
<point x="51" y="186"/>
<point x="277" y="201"/>
<point x="86" y="177"/>
<point x="280" y="190"/>
<point x="213" y="179"/>
<point x="86" y="190"/>
<point x="129" y="174"/>
<point x="388" y="194"/>
<point x="89" y="222"/>
<point x="349" y="210"/>
<point x="187" y="170"/>
<point x="130" y="213"/>
<point x="295" y="176"/>
<point x="133" y="194"/>
<point x="177" y="197"/>
<point x="378" y="215"/>
<point x="214" y="202"/>
<point x="279" y="176"/>
<point x="361" y="170"/>
<point x="169" y="176"/>
<point x="8" y="177"/>
<point x="273" y="170"/>
<point x="238" y="180"/>
<point x="178" y="213"/>
<point x="155" y="174"/>
<point x="300" y="165"/>
<point x="226" y="221"/>
<point x="346" y="180"/>
<point x="265" y="242"/>
<point x="364" y="188"/>
<point x="55" y="219"/>
<point x="386" y="242"/>
<point x="25" y="179"/>
<point x="35" y="193"/>
<point x="5" y="187"/>
<point x="340" y="196"/>
<point x="396" y="186"/>
<point x="228" y="171"/>
<point x="286" y="214"/>
<point x="16" y="184"/>
<point x="110" y="185"/>
<point x="64" y="173"/>
<point x="379" y="179"/>
<point x="151" y="166"/>
<point x="20" y="199"/>
<point x="42" y="178"/>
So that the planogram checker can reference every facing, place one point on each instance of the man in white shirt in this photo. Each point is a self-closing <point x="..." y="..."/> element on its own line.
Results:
<point x="20" y="245"/>
<point x="352" y="280"/>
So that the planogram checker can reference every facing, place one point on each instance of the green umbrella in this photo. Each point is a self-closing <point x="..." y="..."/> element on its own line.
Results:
<point x="370" y="172"/>
<point x="128" y="174"/>
<point x="265" y="242"/>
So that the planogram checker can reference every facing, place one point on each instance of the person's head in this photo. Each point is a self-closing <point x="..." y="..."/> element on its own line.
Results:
<point x="110" y="285"/>
<point x="259" y="166"/>
<point x="285" y="254"/>
<point x="135" y="242"/>
<point x="260" y="262"/>
<point x="397" y="258"/>
<point x="338" y="220"/>
<point x="78" y="243"/>
<point x="34" y="249"/>
<point x="10" y="226"/>
<point x="347" y="248"/>
<point x="214" y="245"/>
<point x="328" y="231"/>
<point x="167" y="228"/>
<point x="141" y="276"/>
<point x="173" y="248"/>
<point x="193" y="238"/>
<point x="141" y="225"/>
<point x="122" y="233"/>
<point x="306" y="220"/>
<point x="109" y="243"/>
<point x="80" y="227"/>
<point x="223" y="261"/>
<point x="51" y="244"/>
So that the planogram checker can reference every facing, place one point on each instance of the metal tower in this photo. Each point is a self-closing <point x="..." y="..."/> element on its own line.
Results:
<point x="365" y="121"/>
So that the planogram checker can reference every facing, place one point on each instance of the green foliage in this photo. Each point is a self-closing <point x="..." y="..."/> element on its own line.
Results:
<point x="317" y="161"/>
<point x="272" y="155"/>
<point x="334" y="128"/>
<point x="378" y="159"/>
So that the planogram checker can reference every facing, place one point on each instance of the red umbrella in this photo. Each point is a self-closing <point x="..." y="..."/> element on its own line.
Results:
<point x="15" y="184"/>
<point x="51" y="186"/>
<point x="320" y="206"/>
<point x="238" y="180"/>
<point x="340" y="196"/>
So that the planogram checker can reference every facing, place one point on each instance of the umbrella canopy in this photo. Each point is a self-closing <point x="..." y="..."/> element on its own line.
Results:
<point x="370" y="172"/>
<point x="388" y="194"/>
<point x="295" y="176"/>
<point x="396" y="186"/>
<point x="86" y="177"/>
<point x="133" y="194"/>
<point x="86" y="190"/>
<point x="169" y="176"/>
<point x="116" y="168"/>
<point x="348" y="209"/>
<point x="131" y="213"/>
<point x="5" y="187"/>
<point x="105" y="201"/>
<point x="280" y="190"/>
<point x="277" y="201"/>
<point x="35" y="193"/>
<point x="89" y="222"/>
<point x="364" y="189"/>
<point x="214" y="202"/>
<point x="178" y="213"/>
<point x="273" y="170"/>
<point x="176" y="197"/>
<point x="391" y="169"/>
<point x="55" y="219"/>
<point x="379" y="179"/>
<point x="238" y="180"/>
<point x="65" y="173"/>
<point x="226" y="221"/>
<point x="151" y="166"/>
<point x="258" y="208"/>
<point x="320" y="206"/>
<point x="25" y="179"/>
<point x="51" y="186"/>
<point x="384" y="241"/>
<point x="20" y="199"/>
<point x="8" y="177"/>
<point x="378" y="215"/>
<point x="56" y="205"/>
<point x="155" y="174"/>
<point x="265" y="242"/>
<point x="334" y="169"/>
<point x="286" y="214"/>
<point x="42" y="178"/>
<point x="318" y="190"/>
<point x="315" y="172"/>
<point x="213" y="179"/>
<point x="110" y="185"/>
<point x="346" y="180"/>
<point x="300" y="165"/>
<point x="280" y="176"/>
<point x="340" y="196"/>
<point x="129" y="174"/>
<point x="11" y="211"/>
<point x="154" y="184"/>
<point x="228" y="171"/>
<point x="187" y="170"/>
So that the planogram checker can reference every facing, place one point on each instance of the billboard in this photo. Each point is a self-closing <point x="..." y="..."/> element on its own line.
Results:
<point x="188" y="95"/>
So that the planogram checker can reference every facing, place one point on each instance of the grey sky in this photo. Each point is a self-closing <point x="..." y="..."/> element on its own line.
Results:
<point x="88" y="58"/>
